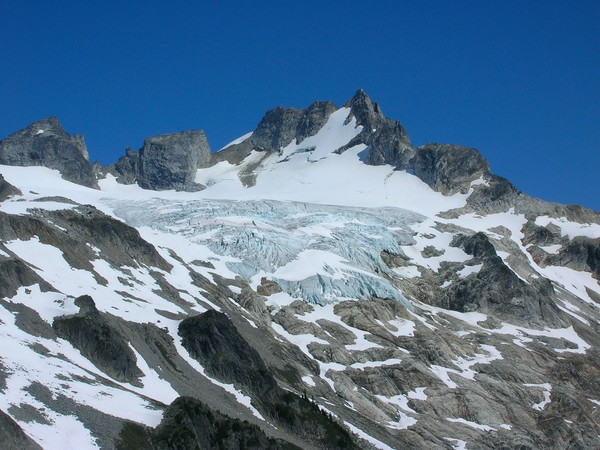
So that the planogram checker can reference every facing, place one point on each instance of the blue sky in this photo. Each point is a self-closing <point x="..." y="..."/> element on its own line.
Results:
<point x="520" y="81"/>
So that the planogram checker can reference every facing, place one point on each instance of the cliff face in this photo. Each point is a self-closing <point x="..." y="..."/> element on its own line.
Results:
<point x="167" y="161"/>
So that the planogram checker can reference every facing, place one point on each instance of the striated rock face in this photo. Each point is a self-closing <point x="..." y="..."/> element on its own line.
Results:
<point x="46" y="143"/>
<point x="166" y="161"/>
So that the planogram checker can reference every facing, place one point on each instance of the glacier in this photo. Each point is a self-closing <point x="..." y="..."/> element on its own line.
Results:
<point x="265" y="237"/>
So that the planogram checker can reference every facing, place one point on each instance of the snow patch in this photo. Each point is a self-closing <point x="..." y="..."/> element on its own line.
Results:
<point x="570" y="229"/>
<point x="468" y="270"/>
<point x="237" y="141"/>
<point x="547" y="393"/>
<point x="387" y="362"/>
<point x="418" y="394"/>
<point x="375" y="442"/>
<point x="458" y="444"/>
<point x="307" y="379"/>
<point x="552" y="249"/>
<point x="471" y="424"/>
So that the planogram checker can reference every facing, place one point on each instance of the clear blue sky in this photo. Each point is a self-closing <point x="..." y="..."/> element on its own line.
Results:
<point x="518" y="80"/>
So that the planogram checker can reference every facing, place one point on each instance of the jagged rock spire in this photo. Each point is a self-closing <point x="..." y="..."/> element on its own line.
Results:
<point x="387" y="139"/>
<point x="365" y="111"/>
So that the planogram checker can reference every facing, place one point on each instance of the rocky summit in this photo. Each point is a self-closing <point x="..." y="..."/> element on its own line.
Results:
<point x="319" y="283"/>
<point x="45" y="143"/>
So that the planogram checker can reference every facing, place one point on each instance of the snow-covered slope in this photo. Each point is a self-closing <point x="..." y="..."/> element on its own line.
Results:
<point x="414" y="317"/>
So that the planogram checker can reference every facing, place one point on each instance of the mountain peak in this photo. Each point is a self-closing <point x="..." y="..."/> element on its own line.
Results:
<point x="365" y="110"/>
<point x="360" y="94"/>
<point x="46" y="143"/>
<point x="49" y="125"/>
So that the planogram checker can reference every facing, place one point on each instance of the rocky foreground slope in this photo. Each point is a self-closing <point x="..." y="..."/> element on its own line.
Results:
<point x="318" y="283"/>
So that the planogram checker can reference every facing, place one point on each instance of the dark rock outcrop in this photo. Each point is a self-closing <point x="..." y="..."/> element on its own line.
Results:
<point x="449" y="168"/>
<point x="166" y="161"/>
<point x="386" y="138"/>
<point x="98" y="341"/>
<point x="127" y="168"/>
<point x="188" y="423"/>
<point x="497" y="196"/>
<point x="7" y="190"/>
<point x="280" y="126"/>
<point x="12" y="435"/>
<point x="213" y="340"/>
<point x="170" y="161"/>
<point x="46" y="143"/>
<point x="14" y="273"/>
<point x="581" y="253"/>
<point x="497" y="290"/>
<point x="120" y="243"/>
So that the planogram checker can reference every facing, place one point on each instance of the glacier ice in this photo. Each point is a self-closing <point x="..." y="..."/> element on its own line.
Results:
<point x="335" y="249"/>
